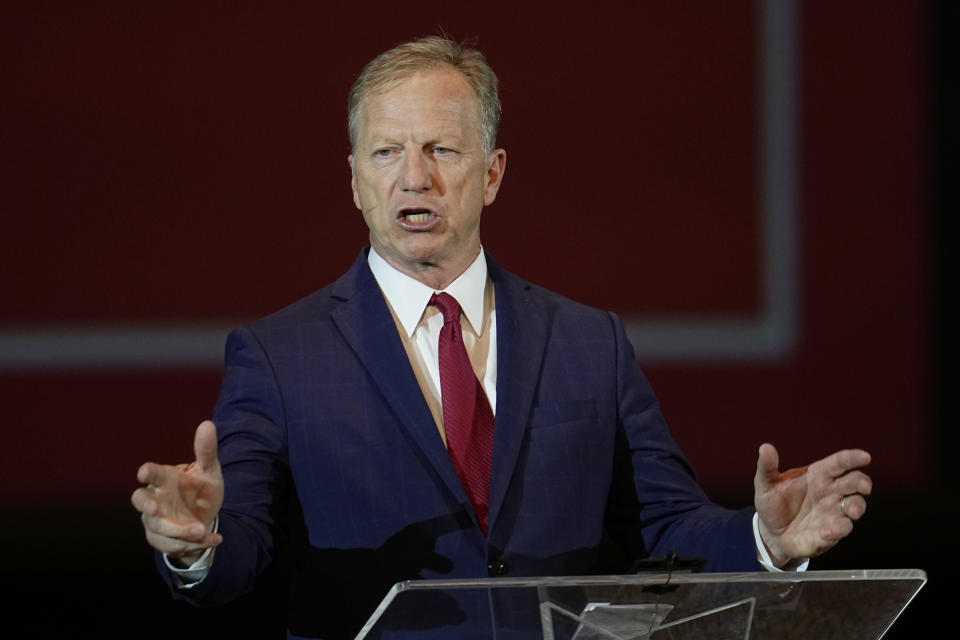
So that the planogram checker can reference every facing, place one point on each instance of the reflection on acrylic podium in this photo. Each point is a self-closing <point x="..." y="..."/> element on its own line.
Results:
<point x="847" y="605"/>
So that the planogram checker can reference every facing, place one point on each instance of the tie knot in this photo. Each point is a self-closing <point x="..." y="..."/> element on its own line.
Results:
<point x="448" y="306"/>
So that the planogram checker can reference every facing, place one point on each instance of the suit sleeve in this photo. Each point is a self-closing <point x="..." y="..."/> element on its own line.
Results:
<point x="252" y="448"/>
<point x="656" y="504"/>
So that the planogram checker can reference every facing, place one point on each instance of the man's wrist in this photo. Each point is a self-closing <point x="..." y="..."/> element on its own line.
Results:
<point x="187" y="571"/>
<point x="768" y="562"/>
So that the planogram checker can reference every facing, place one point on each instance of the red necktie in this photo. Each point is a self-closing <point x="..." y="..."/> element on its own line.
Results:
<point x="467" y="418"/>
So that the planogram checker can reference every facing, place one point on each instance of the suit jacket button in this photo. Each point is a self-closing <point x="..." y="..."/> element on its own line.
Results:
<point x="496" y="567"/>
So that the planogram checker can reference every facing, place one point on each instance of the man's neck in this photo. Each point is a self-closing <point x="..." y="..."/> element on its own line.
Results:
<point x="437" y="277"/>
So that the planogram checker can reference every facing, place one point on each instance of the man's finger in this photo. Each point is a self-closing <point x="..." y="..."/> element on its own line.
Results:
<point x="853" y="482"/>
<point x="843" y="461"/>
<point x="156" y="475"/>
<point x="834" y="531"/>
<point x="205" y="446"/>
<point x="142" y="501"/>
<point x="191" y="531"/>
<point x="853" y="506"/>
<point x="147" y="473"/>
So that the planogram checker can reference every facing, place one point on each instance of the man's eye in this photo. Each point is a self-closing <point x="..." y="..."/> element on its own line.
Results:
<point x="442" y="150"/>
<point x="382" y="153"/>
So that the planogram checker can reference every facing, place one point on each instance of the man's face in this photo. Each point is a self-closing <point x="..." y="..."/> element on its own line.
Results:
<point x="420" y="176"/>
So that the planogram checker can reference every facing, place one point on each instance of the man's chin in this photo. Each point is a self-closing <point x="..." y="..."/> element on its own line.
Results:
<point x="426" y="249"/>
<point x="410" y="258"/>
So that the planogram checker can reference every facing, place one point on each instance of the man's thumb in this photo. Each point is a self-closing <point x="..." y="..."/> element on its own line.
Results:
<point x="768" y="463"/>
<point x="205" y="446"/>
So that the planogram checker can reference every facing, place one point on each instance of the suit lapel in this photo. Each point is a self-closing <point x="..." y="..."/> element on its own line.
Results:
<point x="521" y="342"/>
<point x="365" y="323"/>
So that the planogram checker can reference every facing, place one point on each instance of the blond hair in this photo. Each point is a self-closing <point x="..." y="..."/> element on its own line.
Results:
<point x="419" y="55"/>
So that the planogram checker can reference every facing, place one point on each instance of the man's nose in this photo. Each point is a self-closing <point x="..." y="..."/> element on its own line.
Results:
<point x="416" y="172"/>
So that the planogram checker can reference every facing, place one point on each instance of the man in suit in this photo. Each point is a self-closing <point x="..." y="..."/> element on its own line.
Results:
<point x="337" y="432"/>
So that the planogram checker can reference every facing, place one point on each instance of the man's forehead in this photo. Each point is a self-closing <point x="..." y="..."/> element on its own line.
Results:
<point x="376" y="130"/>
<point x="437" y="83"/>
<point x="435" y="74"/>
<point x="441" y="99"/>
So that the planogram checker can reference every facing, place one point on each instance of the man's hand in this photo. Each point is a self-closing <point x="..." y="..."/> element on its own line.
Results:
<point x="805" y="511"/>
<point x="180" y="503"/>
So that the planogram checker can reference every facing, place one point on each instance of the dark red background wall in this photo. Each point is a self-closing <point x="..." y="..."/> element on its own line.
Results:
<point x="182" y="164"/>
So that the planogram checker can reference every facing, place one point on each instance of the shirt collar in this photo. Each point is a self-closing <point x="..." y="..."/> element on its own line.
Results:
<point x="409" y="297"/>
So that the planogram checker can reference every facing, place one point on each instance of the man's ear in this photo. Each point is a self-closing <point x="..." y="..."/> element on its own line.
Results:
<point x="496" y="166"/>
<point x="353" y="183"/>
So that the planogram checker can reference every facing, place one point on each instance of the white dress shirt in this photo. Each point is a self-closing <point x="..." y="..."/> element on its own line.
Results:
<point x="421" y="324"/>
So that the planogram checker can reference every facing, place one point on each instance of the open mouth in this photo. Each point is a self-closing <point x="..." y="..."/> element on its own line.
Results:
<point x="414" y="216"/>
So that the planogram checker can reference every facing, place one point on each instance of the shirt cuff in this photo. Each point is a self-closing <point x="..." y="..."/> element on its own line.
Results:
<point x="764" y="557"/>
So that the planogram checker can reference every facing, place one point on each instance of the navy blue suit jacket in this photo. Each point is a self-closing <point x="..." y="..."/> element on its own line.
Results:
<point x="329" y="448"/>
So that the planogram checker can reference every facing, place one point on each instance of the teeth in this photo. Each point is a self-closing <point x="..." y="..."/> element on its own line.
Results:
<point x="417" y="218"/>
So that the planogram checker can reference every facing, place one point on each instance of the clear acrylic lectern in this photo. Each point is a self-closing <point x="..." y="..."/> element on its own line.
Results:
<point x="847" y="605"/>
